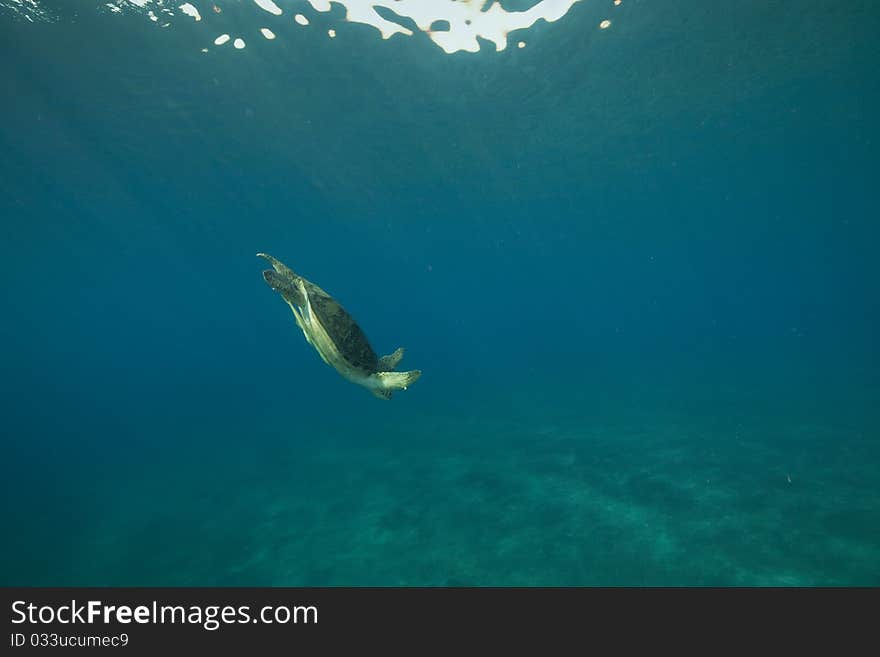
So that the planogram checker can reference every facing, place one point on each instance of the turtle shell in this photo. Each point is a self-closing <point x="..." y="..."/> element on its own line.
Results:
<point x="348" y="337"/>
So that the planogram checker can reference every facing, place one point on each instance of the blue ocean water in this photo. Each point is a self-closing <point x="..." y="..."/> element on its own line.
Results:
<point x="637" y="267"/>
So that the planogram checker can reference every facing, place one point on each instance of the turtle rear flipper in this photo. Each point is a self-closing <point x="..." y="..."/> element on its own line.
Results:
<point x="398" y="380"/>
<point x="389" y="362"/>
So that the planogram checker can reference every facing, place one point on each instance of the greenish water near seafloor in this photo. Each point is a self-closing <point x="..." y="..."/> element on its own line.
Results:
<point x="636" y="262"/>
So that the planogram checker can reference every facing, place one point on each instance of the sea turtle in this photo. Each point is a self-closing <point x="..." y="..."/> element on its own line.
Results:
<point x="335" y="335"/>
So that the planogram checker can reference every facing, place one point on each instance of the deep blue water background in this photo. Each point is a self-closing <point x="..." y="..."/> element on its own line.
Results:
<point x="638" y="268"/>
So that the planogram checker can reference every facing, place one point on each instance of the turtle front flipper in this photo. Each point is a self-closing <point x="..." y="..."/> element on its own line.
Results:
<point x="279" y="266"/>
<point x="389" y="362"/>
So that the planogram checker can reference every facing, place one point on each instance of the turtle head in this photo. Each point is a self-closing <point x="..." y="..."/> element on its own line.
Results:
<point x="284" y="286"/>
